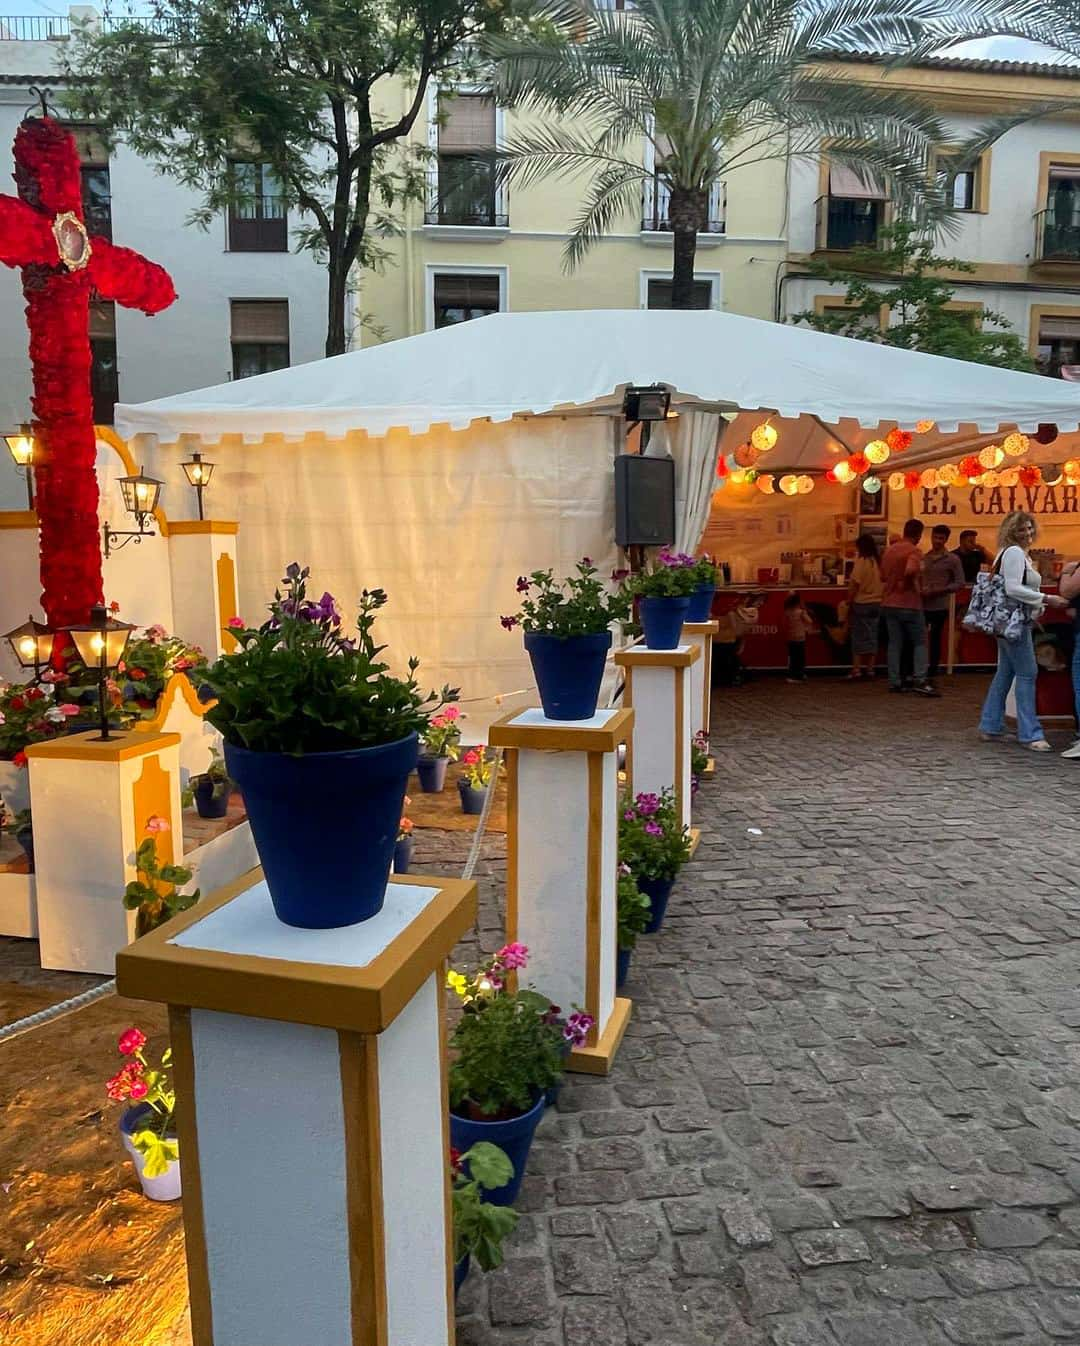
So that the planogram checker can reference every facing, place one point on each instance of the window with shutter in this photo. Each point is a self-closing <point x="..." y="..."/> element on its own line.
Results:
<point x="659" y="294"/>
<point x="461" y="296"/>
<point x="465" y="189"/>
<point x="104" y="378"/>
<point x="1058" y="344"/>
<point x="260" y="336"/>
<point x="258" y="218"/>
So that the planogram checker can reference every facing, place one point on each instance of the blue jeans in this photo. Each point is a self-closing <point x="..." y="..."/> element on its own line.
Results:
<point x="909" y="623"/>
<point x="1076" y="679"/>
<point x="1016" y="660"/>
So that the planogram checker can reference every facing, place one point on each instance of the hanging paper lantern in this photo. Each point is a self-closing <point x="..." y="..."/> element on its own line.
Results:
<point x="912" y="481"/>
<point x="896" y="481"/>
<point x="991" y="456"/>
<point x="990" y="479"/>
<point x="970" y="466"/>
<point x="1072" y="471"/>
<point x="844" y="471"/>
<point x="1010" y="477"/>
<point x="929" y="478"/>
<point x="924" y="427"/>
<point x="789" y="483"/>
<point x="1052" y="474"/>
<point x="1016" y="444"/>
<point x="766" y="483"/>
<point x="947" y="474"/>
<point x="806" y="485"/>
<point x="746" y="455"/>
<point x="872" y="485"/>
<point x="1046" y="434"/>
<point x="877" y="451"/>
<point x="737" y="477"/>
<point x="830" y="476"/>
<point x="898" y="440"/>
<point x="763" y="437"/>
<point x="858" y="462"/>
<point x="1030" y="475"/>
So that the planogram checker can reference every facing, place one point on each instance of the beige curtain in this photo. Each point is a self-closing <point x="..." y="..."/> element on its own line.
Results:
<point x="695" y="444"/>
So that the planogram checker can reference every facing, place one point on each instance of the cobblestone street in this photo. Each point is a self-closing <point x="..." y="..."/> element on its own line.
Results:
<point x="847" y="1111"/>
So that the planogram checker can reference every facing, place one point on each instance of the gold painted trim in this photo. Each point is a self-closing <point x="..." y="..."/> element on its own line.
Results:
<point x="695" y="840"/>
<point x="184" y="527"/>
<point x="187" y="1130"/>
<point x="108" y="435"/>
<point x="359" y="1057"/>
<point x="709" y="628"/>
<point x="512" y="818"/>
<point x="593" y="891"/>
<point x="360" y="999"/>
<point x="1040" y="311"/>
<point x="88" y="747"/>
<point x="710" y="767"/>
<point x="1051" y="159"/>
<point x="706" y="687"/>
<point x="824" y="302"/>
<point x="444" y="1093"/>
<point x="18" y="518"/>
<point x="638" y="656"/>
<point x="225" y="573"/>
<point x="971" y="89"/>
<point x="178" y="686"/>
<point x="682" y="747"/>
<point x="598" y="1060"/>
<point x="628" y="704"/>
<point x="151" y="797"/>
<point x="505" y="733"/>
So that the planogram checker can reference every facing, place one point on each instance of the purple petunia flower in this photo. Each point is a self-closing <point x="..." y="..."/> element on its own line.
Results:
<point x="508" y="623"/>
<point x="522" y="584"/>
<point x="654" y="829"/>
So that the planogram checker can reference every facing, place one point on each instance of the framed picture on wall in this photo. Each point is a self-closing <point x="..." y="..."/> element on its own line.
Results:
<point x="872" y="506"/>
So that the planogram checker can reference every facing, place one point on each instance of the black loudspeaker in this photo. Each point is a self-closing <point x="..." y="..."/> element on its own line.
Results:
<point x="644" y="501"/>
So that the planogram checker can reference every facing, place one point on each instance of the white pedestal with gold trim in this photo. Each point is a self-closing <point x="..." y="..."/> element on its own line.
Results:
<point x="660" y="690"/>
<point x="312" y="1115"/>
<point x="92" y="802"/>
<point x="202" y="563"/>
<point x="562" y="825"/>
<point x="701" y="635"/>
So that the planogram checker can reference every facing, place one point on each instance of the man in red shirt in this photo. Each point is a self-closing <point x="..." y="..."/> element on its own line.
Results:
<point x="902" y="607"/>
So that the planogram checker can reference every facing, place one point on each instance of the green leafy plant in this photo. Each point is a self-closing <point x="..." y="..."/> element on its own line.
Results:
<point x="297" y="684"/>
<point x="443" y="734"/>
<point x="31" y="713"/>
<point x="707" y="572"/>
<point x="142" y="1084"/>
<point x="671" y="575"/>
<point x="699" y="754"/>
<point x="480" y="1228"/>
<point x="479" y="768"/>
<point x="580" y="605"/>
<point x="155" y="894"/>
<point x="149" y="661"/>
<point x="216" y="773"/>
<point x="652" y="840"/>
<point x="633" y="910"/>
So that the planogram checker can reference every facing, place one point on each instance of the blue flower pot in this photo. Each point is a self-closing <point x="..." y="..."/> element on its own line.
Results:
<point x="472" y="800"/>
<point x="431" y="773"/>
<point x="202" y="787"/>
<point x="622" y="967"/>
<point x="461" y="1270"/>
<point x="551" y="1096"/>
<point x="700" y="609"/>
<point x="513" y="1136"/>
<point x="403" y="850"/>
<point x="325" y="826"/>
<point x="657" y="891"/>
<point x="661" y="620"/>
<point x="568" y="673"/>
<point x="25" y="838"/>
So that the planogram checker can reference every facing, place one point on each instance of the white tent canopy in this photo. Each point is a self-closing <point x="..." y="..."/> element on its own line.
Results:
<point x="514" y="363"/>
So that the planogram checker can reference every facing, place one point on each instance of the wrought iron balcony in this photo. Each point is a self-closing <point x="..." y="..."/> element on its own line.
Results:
<point x="847" y="222"/>
<point x="1055" y="242"/>
<point x="475" y="215"/>
<point x="657" y="222"/>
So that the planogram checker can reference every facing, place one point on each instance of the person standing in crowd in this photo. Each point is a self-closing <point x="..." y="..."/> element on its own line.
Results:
<point x="901" y="575"/>
<point x="865" y="595"/>
<point x="1069" y="589"/>
<point x="1016" y="658"/>
<point x="799" y="625"/>
<point x="942" y="575"/>
<point x="971" y="556"/>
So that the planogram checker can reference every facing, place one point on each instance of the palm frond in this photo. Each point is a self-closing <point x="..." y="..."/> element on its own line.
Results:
<point x="613" y="193"/>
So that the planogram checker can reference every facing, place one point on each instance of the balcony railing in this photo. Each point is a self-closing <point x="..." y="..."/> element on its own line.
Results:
<point x="259" y="226"/>
<point x="46" y="28"/>
<point x="1055" y="242"/>
<point x="656" y="206"/>
<point x="848" y="222"/>
<point x="659" y="223"/>
<point x="464" y="191"/>
<point x="476" y="215"/>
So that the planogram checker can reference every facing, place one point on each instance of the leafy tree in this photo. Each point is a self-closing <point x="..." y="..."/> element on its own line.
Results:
<point x="716" y="85"/>
<point x="303" y="86"/>
<point x="905" y="275"/>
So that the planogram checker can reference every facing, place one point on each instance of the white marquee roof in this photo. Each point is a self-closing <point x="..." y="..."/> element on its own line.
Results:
<point x="532" y="363"/>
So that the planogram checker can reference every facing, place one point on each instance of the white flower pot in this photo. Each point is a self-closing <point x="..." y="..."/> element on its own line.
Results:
<point x="166" y="1187"/>
<point x="14" y="786"/>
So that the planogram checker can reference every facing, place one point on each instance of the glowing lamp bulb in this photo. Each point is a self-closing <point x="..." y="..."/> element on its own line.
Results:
<point x="97" y="644"/>
<point x="763" y="437"/>
<point x="805" y="485"/>
<point x="872" y="485"/>
<point x="27" y="647"/>
<point x="877" y="451"/>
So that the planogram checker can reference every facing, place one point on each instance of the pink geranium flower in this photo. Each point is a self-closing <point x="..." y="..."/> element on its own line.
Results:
<point x="235" y="623"/>
<point x="132" y="1040"/>
<point x="156" y="824"/>
<point x="513" y="955"/>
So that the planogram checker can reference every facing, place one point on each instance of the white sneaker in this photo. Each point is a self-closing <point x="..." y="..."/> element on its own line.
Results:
<point x="1039" y="745"/>
<point x="1072" y="752"/>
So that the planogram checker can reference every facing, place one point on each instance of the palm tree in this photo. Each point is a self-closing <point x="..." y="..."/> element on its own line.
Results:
<point x="717" y="85"/>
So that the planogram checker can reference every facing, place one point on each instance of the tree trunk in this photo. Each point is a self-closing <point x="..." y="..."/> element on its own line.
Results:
<point x="687" y="212"/>
<point x="337" y="291"/>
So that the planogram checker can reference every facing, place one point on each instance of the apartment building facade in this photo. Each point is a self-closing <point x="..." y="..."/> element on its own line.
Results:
<point x="1018" y="219"/>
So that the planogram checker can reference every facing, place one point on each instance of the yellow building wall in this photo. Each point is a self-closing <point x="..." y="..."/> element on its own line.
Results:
<point x="394" y="301"/>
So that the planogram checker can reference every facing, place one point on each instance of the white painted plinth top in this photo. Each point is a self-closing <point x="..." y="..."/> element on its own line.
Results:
<point x="535" y="718"/>
<point x="247" y="925"/>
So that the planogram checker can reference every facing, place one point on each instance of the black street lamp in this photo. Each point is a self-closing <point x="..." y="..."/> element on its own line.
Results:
<point x="140" y="494"/>
<point x="21" y="446"/>
<point x="101" y="644"/>
<point x="198" y="474"/>
<point x="31" y="644"/>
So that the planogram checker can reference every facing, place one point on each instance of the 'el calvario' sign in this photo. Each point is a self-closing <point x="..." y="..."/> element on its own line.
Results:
<point x="1001" y="499"/>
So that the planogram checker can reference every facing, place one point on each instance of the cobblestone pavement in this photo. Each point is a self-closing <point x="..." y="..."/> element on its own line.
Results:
<point x="847" y="1110"/>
